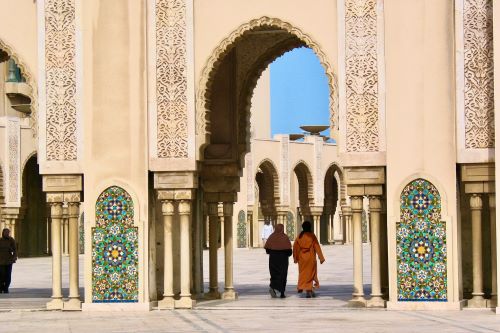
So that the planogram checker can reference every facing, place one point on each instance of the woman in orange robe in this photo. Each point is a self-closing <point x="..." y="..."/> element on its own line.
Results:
<point x="305" y="248"/>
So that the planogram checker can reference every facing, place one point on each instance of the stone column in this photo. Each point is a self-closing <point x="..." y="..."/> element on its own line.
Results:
<point x="185" y="301"/>
<point x="347" y="216"/>
<point x="13" y="228"/>
<point x="74" y="302"/>
<point x="229" y="292"/>
<point x="376" y="295"/>
<point x="384" y="264"/>
<point x="494" y="287"/>
<point x="213" y="217"/>
<point x="358" y="294"/>
<point x="316" y="216"/>
<point x="65" y="231"/>
<point x="167" y="210"/>
<point x="477" y="301"/>
<point x="56" y="211"/>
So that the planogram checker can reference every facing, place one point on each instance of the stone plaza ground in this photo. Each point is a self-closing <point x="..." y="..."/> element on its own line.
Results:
<point x="23" y="310"/>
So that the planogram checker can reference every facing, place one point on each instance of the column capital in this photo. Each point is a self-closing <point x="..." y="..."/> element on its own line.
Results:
<point x="227" y="208"/>
<point x="56" y="209"/>
<point x="184" y="207"/>
<point x="356" y="203"/>
<point x="73" y="209"/>
<point x="491" y="200"/>
<point x="167" y="207"/>
<point x="375" y="203"/>
<point x="476" y="202"/>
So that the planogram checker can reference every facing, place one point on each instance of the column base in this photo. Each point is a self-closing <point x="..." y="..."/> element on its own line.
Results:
<point x="477" y="303"/>
<point x="212" y="294"/>
<point x="375" y="302"/>
<point x="492" y="302"/>
<point x="168" y="302"/>
<point x="55" y="304"/>
<point x="230" y="294"/>
<point x="357" y="302"/>
<point x="185" y="302"/>
<point x="73" y="304"/>
<point x="498" y="310"/>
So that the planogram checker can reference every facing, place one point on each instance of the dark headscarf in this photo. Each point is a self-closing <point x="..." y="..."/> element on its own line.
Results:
<point x="278" y="239"/>
<point x="306" y="227"/>
<point x="5" y="233"/>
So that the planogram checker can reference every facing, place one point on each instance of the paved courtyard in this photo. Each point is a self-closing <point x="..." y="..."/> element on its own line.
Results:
<point x="23" y="309"/>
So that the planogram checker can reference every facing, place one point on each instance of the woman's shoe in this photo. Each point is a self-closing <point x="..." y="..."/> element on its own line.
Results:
<point x="272" y="292"/>
<point x="282" y="295"/>
<point x="309" y="294"/>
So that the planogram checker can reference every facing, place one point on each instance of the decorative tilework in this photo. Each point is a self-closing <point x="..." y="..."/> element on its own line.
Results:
<point x="421" y="245"/>
<point x="115" y="258"/>
<point x="242" y="229"/>
<point x="290" y="226"/>
<point x="364" y="226"/>
<point x="81" y="230"/>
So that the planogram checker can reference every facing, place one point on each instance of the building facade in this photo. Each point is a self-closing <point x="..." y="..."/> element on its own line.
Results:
<point x="140" y="110"/>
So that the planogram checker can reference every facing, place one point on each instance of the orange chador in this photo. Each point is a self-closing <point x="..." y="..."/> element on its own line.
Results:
<point x="305" y="249"/>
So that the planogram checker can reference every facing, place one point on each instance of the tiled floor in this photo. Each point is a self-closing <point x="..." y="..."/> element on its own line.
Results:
<point x="254" y="311"/>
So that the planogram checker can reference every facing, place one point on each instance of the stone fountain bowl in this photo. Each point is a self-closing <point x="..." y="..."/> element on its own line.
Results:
<point x="294" y="137"/>
<point x="314" y="129"/>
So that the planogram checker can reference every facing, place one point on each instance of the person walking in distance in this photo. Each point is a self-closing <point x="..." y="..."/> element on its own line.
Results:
<point x="279" y="248"/>
<point x="8" y="256"/>
<point x="305" y="249"/>
<point x="266" y="231"/>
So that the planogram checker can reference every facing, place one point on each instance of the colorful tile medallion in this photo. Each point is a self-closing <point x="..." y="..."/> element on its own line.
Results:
<point x="115" y="248"/>
<point x="242" y="230"/>
<point x="421" y="245"/>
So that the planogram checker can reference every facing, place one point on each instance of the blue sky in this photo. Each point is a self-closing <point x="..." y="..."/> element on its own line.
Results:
<point x="299" y="92"/>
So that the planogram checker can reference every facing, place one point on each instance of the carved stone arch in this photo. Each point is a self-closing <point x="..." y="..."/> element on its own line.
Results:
<point x="306" y="186"/>
<point x="24" y="175"/>
<point x="30" y="80"/>
<point x="272" y="186"/>
<point x="203" y="129"/>
<point x="330" y="175"/>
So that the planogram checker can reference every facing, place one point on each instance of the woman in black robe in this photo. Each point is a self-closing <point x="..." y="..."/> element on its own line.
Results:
<point x="279" y="248"/>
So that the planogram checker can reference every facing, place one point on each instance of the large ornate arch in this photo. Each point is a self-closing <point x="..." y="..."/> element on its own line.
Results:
<point x="203" y="129"/>
<point x="272" y="180"/>
<point x="30" y="80"/>
<point x="306" y="185"/>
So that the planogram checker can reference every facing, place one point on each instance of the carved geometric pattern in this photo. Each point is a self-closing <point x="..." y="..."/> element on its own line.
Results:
<point x="242" y="230"/>
<point x="115" y="258"/>
<point x="364" y="226"/>
<point x="478" y="74"/>
<point x="60" y="84"/>
<point x="14" y="163"/>
<point x="171" y="79"/>
<point x="421" y="245"/>
<point x="225" y="46"/>
<point x="290" y="226"/>
<point x="361" y="75"/>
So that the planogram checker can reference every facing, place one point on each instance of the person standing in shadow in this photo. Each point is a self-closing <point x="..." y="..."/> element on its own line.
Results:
<point x="305" y="249"/>
<point x="279" y="248"/>
<point x="8" y="256"/>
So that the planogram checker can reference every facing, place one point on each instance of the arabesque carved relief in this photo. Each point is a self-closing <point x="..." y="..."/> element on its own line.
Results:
<point x="171" y="79"/>
<point x="60" y="84"/>
<point x="478" y="74"/>
<point x="361" y="76"/>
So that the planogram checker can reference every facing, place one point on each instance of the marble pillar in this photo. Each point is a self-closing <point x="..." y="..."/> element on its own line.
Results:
<point x="212" y="212"/>
<point x="74" y="302"/>
<point x="167" y="210"/>
<point x="185" y="301"/>
<point x="493" y="301"/>
<point x="376" y="295"/>
<point x="358" y="293"/>
<point x="477" y="301"/>
<point x="229" y="292"/>
<point x="56" y="211"/>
